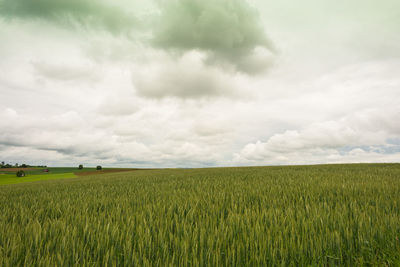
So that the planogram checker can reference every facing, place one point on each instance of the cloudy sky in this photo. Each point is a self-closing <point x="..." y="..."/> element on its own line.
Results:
<point x="196" y="83"/>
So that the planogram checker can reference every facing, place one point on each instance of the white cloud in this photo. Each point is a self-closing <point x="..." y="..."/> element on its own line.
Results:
<point x="186" y="77"/>
<point x="75" y="96"/>
<point x="330" y="141"/>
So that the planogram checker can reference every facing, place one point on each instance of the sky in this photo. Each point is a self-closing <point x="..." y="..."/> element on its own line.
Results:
<point x="199" y="83"/>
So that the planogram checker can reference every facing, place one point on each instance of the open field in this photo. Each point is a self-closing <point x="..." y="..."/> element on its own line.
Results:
<point x="17" y="169"/>
<point x="103" y="171"/>
<point x="257" y="216"/>
<point x="12" y="179"/>
<point x="8" y="175"/>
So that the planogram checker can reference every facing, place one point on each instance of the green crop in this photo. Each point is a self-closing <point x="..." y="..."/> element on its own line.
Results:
<point x="12" y="179"/>
<point x="260" y="216"/>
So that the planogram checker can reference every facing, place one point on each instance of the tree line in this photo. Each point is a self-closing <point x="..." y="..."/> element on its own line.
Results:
<point x="16" y="165"/>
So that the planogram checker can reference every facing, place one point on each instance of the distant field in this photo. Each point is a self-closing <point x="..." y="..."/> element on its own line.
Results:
<point x="8" y="175"/>
<point x="328" y="215"/>
<point x="12" y="179"/>
<point x="16" y="169"/>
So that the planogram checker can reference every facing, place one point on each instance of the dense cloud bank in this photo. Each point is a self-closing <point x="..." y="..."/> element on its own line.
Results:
<point x="98" y="15"/>
<point x="226" y="30"/>
<point x="198" y="83"/>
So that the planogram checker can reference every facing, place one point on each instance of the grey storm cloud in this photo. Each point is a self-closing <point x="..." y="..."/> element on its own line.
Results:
<point x="228" y="30"/>
<point x="186" y="78"/>
<point x="170" y="83"/>
<point x="62" y="72"/>
<point x="86" y="13"/>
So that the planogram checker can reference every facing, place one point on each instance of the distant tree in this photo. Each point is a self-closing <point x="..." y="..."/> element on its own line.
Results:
<point x="80" y="167"/>
<point x="98" y="167"/>
<point x="16" y="164"/>
<point x="20" y="173"/>
<point x="24" y="165"/>
<point x="2" y="163"/>
<point x="8" y="166"/>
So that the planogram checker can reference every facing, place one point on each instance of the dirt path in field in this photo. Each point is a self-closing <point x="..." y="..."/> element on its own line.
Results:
<point x="104" y="171"/>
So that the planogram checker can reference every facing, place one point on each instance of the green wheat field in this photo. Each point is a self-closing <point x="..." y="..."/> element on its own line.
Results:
<point x="324" y="215"/>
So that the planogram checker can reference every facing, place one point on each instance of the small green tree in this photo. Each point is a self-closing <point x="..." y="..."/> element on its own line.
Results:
<point x="80" y="167"/>
<point x="98" y="167"/>
<point x="20" y="174"/>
